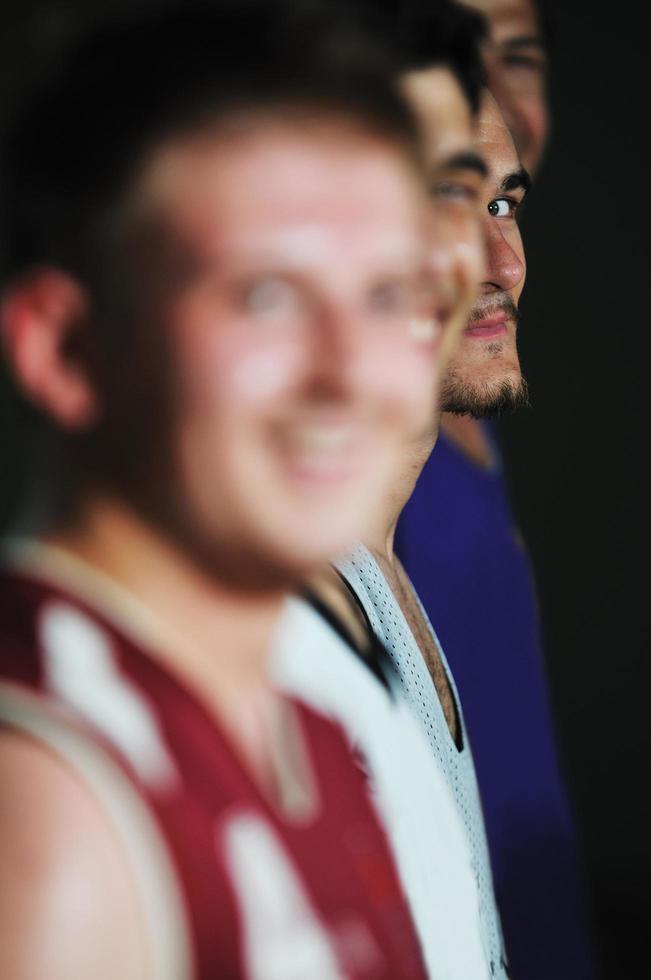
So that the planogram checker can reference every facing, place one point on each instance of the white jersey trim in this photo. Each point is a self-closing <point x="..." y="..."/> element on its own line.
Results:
<point x="169" y="944"/>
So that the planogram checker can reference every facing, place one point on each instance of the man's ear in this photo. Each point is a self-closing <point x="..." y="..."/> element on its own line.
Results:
<point x="40" y="318"/>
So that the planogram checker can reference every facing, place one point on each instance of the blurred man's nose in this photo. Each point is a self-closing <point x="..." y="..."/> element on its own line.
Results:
<point x="338" y="354"/>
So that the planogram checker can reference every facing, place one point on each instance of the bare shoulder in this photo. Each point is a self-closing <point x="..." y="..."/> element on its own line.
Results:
<point x="68" y="905"/>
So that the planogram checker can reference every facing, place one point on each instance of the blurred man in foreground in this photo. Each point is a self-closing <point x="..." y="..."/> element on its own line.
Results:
<point x="215" y="294"/>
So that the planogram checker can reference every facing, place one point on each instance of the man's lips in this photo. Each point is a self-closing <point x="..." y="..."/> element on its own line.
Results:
<point x="488" y="328"/>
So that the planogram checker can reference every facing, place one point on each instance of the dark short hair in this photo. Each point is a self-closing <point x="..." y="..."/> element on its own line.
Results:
<point x="427" y="34"/>
<point x="126" y="88"/>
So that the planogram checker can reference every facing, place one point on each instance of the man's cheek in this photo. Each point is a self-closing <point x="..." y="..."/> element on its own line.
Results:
<point x="410" y="380"/>
<point x="470" y="256"/>
<point x="267" y="374"/>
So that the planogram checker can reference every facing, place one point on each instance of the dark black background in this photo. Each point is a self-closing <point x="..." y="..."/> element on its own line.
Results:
<point x="576" y="459"/>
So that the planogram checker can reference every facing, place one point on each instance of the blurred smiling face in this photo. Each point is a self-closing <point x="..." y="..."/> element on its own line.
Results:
<point x="299" y="360"/>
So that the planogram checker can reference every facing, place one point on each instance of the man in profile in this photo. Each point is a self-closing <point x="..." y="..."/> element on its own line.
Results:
<point x="373" y="572"/>
<point x="459" y="543"/>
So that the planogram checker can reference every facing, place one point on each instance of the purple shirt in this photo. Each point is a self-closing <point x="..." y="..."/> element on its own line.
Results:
<point x="458" y="542"/>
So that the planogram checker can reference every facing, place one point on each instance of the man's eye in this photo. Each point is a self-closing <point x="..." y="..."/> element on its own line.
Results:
<point x="503" y="207"/>
<point x="270" y="296"/>
<point x="450" y="190"/>
<point x="524" y="61"/>
<point x="392" y="298"/>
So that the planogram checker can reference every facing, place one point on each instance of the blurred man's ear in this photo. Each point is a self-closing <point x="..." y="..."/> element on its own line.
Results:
<point x="42" y="320"/>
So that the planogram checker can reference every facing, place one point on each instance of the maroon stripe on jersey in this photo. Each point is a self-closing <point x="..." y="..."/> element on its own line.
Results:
<point x="334" y="873"/>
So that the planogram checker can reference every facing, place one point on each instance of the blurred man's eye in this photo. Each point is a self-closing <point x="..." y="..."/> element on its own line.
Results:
<point x="393" y="298"/>
<point x="270" y="296"/>
<point x="528" y="62"/>
<point x="451" y="190"/>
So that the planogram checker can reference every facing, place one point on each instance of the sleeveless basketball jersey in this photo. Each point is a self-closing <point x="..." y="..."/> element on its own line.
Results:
<point x="231" y="887"/>
<point x="315" y="664"/>
<point x="365" y="578"/>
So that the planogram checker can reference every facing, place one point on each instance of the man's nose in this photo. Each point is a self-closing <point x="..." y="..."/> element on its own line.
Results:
<point x="504" y="267"/>
<point x="339" y="354"/>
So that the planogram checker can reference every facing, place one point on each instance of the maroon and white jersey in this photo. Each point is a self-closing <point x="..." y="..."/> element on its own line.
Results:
<point x="230" y="885"/>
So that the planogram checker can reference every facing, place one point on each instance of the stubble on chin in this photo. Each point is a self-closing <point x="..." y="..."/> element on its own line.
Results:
<point x="484" y="399"/>
<point x="500" y="388"/>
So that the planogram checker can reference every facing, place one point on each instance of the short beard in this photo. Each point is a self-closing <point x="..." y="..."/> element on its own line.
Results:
<point x="486" y="401"/>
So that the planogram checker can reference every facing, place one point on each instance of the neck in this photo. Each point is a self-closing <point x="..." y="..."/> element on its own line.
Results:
<point x="210" y="624"/>
<point x="469" y="436"/>
<point x="381" y="539"/>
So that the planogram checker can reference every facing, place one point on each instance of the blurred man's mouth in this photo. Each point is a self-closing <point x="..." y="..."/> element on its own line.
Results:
<point x="322" y="452"/>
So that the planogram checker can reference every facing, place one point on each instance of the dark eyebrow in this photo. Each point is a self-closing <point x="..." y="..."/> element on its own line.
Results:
<point x="518" y="179"/>
<point x="466" y="160"/>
